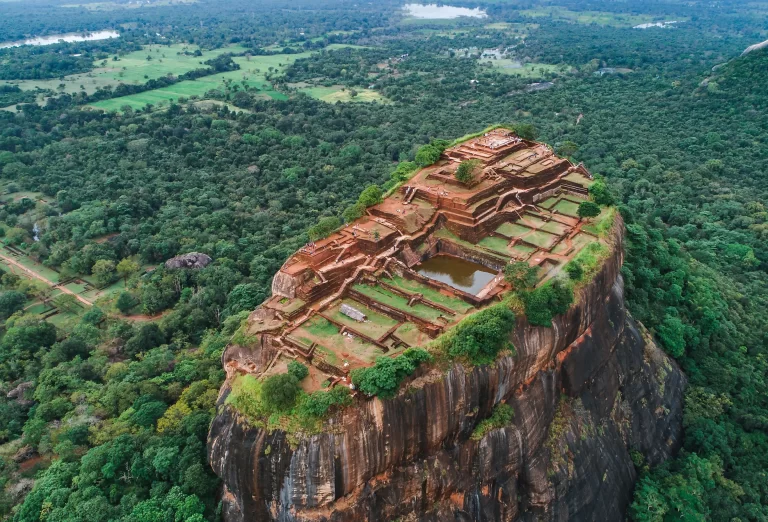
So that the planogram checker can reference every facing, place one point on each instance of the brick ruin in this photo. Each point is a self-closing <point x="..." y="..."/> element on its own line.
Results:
<point x="360" y="293"/>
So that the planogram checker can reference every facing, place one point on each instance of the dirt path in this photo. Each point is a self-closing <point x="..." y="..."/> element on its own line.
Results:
<point x="50" y="283"/>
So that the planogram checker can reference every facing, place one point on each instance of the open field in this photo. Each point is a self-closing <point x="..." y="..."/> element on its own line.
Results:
<point x="526" y="70"/>
<point x="340" y="93"/>
<point x="252" y="73"/>
<point x="133" y="69"/>
<point x="587" y="17"/>
<point x="113" y="6"/>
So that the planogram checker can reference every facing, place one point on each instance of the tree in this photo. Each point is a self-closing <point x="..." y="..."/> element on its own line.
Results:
<point x="545" y="302"/>
<point x="66" y="302"/>
<point x="104" y="271"/>
<point x="521" y="275"/>
<point x="125" y="302"/>
<point x="11" y="302"/>
<point x="15" y="235"/>
<point x="278" y="392"/>
<point x="126" y="268"/>
<point x="427" y="155"/>
<point x="567" y="148"/>
<point x="244" y="297"/>
<point x="323" y="228"/>
<point x="600" y="193"/>
<point x="384" y="377"/>
<point x="370" y="196"/>
<point x="480" y="337"/>
<point x="466" y="170"/>
<point x="298" y="370"/>
<point x="588" y="209"/>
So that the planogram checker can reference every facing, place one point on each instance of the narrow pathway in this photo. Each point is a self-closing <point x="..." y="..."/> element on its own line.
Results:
<point x="50" y="283"/>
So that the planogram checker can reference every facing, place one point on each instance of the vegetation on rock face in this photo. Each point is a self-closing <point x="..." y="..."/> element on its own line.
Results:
<point x="542" y="304"/>
<point x="502" y="415"/>
<point x="119" y="414"/>
<point x="384" y="377"/>
<point x="480" y="337"/>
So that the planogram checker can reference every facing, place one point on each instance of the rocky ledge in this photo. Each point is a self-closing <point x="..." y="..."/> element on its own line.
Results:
<point x="588" y="395"/>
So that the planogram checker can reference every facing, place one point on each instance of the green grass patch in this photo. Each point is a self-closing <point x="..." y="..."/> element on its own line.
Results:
<point x="523" y="249"/>
<point x="554" y="227"/>
<point x="454" y="303"/>
<point x="512" y="230"/>
<point x="502" y="415"/>
<point x="548" y="203"/>
<point x="568" y="208"/>
<point x="530" y="70"/>
<point x="587" y="17"/>
<point x="339" y="93"/>
<point x="376" y="325"/>
<point x="398" y="302"/>
<point x="497" y="244"/>
<point x="540" y="239"/>
<point x="602" y="223"/>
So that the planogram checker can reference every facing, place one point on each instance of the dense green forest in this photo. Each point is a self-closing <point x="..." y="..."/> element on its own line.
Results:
<point x="105" y="417"/>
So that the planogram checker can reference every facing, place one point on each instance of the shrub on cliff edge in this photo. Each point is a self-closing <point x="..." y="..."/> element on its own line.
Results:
<point x="480" y="337"/>
<point x="547" y="301"/>
<point x="384" y="377"/>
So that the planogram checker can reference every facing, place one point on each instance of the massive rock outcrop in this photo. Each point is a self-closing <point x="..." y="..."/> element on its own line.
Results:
<point x="588" y="394"/>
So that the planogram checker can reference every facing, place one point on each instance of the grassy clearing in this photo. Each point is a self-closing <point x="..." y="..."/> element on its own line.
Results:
<point x="339" y="93"/>
<point x="114" y="6"/>
<point x="602" y="223"/>
<point x="398" y="302"/>
<point x="587" y="17"/>
<point x="527" y="70"/>
<point x="569" y="208"/>
<point x="512" y="230"/>
<point x="496" y="244"/>
<point x="540" y="239"/>
<point x="454" y="303"/>
<point x="554" y="227"/>
<point x="252" y="74"/>
<point x="376" y="325"/>
<point x="132" y="69"/>
<point x="548" y="203"/>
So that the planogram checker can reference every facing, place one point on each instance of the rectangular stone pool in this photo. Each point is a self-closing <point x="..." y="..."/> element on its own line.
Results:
<point x="462" y="274"/>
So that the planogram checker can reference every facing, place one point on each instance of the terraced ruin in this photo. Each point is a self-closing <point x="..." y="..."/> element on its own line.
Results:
<point x="421" y="260"/>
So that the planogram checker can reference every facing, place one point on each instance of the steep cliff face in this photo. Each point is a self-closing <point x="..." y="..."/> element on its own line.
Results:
<point x="586" y="393"/>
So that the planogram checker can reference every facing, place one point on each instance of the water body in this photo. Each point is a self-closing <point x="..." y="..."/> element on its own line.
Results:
<point x="442" y="12"/>
<point x="68" y="37"/>
<point x="459" y="273"/>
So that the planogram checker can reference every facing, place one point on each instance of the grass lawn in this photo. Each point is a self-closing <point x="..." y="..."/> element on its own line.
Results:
<point x="602" y="223"/>
<point x="411" y="334"/>
<point x="526" y="70"/>
<point x="342" y="94"/>
<point x="587" y="17"/>
<point x="36" y="267"/>
<point x="331" y="342"/>
<point x="398" y="302"/>
<point x="523" y="250"/>
<point x="548" y="203"/>
<point x="569" y="208"/>
<point x="496" y="244"/>
<point x="512" y="230"/>
<point x="454" y="303"/>
<point x="377" y="324"/>
<point x="554" y="227"/>
<point x="540" y="239"/>
<point x="130" y="69"/>
<point x="252" y="73"/>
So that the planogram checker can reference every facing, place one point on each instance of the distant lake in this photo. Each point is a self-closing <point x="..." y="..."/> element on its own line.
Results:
<point x="441" y="12"/>
<point x="68" y="37"/>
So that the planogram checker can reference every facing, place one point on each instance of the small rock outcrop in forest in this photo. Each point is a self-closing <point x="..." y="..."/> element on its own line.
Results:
<point x="582" y="399"/>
